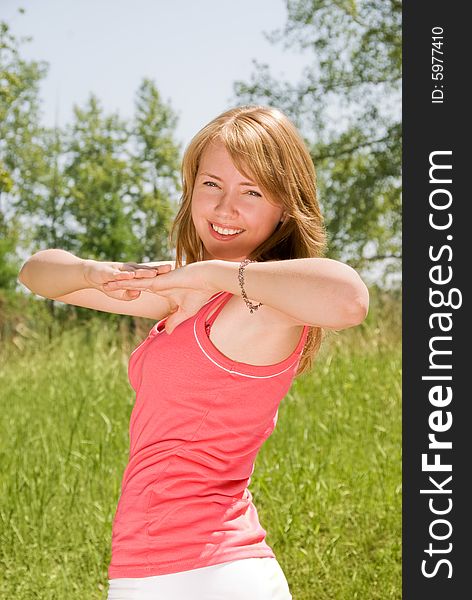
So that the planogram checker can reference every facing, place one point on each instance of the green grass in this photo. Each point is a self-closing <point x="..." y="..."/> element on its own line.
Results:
<point x="327" y="483"/>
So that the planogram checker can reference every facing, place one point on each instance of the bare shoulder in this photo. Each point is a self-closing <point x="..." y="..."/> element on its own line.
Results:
<point x="264" y="337"/>
<point x="148" y="305"/>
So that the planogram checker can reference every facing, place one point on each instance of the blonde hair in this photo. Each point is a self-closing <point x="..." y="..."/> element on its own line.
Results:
<point x="265" y="146"/>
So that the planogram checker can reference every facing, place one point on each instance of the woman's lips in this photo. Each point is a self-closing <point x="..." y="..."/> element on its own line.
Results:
<point x="220" y="236"/>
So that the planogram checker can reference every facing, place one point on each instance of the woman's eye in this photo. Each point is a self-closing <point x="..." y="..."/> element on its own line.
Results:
<point x="213" y="184"/>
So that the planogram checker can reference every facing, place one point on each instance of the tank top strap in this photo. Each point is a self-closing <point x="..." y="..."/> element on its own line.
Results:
<point x="220" y="302"/>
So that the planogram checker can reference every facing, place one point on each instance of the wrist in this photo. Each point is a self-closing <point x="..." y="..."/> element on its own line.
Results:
<point x="222" y="275"/>
<point x="85" y="267"/>
<point x="209" y="270"/>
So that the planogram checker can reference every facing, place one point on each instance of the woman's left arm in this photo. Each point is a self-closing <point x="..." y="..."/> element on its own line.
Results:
<point x="320" y="292"/>
<point x="316" y="291"/>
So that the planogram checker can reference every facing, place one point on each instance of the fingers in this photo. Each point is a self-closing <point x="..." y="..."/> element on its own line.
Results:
<point x="134" y="270"/>
<point x="123" y="274"/>
<point x="175" y="319"/>
<point x="144" y="271"/>
<point x="147" y="272"/>
<point x="130" y="285"/>
<point x="131" y="294"/>
<point x="132" y="266"/>
<point x="138" y="273"/>
<point x="118" y="293"/>
<point x="126" y="267"/>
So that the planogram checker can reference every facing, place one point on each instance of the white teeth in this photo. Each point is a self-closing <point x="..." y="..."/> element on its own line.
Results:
<point x="226" y="231"/>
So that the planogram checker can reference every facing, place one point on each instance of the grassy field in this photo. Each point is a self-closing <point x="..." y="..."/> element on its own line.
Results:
<point x="327" y="483"/>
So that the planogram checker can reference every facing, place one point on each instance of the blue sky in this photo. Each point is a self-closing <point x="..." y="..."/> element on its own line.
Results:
<point x="194" y="51"/>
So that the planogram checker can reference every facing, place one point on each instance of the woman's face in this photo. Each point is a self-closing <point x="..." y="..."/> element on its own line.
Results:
<point x="224" y="198"/>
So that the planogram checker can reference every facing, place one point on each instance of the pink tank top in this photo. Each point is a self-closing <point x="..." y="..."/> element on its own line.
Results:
<point x="196" y="428"/>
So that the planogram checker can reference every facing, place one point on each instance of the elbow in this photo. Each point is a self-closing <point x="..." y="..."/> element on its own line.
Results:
<point x="21" y="274"/>
<point x="359" y="306"/>
<point x="358" y="314"/>
<point x="24" y="277"/>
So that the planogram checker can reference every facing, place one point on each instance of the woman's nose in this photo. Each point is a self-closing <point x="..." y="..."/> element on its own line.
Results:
<point x="227" y="201"/>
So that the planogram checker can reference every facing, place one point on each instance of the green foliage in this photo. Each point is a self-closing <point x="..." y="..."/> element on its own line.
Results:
<point x="156" y="163"/>
<point x="19" y="110"/>
<point x="49" y="206"/>
<point x="347" y="104"/>
<point x="9" y="262"/>
<point x="101" y="188"/>
<point x="98" y="178"/>
<point x="327" y="483"/>
<point x="121" y="178"/>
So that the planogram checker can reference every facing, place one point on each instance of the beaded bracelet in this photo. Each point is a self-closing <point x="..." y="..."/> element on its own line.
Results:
<point x="252" y="307"/>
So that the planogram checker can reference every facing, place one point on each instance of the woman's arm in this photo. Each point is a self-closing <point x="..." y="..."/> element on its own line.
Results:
<point x="52" y="273"/>
<point x="317" y="291"/>
<point x="61" y="276"/>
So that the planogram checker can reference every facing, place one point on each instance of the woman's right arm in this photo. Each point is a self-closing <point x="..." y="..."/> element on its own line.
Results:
<point x="61" y="276"/>
<point x="52" y="273"/>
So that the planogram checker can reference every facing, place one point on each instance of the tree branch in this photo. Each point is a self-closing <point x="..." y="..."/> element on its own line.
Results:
<point x="351" y="149"/>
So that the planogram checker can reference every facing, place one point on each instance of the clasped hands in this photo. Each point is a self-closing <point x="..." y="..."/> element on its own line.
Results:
<point x="186" y="289"/>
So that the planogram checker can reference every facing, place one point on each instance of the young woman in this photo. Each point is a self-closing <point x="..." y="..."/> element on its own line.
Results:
<point x="236" y="322"/>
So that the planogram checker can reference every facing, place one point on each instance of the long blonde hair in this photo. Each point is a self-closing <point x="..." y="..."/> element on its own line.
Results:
<point x="265" y="146"/>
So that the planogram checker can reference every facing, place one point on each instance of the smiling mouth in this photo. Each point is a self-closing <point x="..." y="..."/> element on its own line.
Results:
<point x="225" y="231"/>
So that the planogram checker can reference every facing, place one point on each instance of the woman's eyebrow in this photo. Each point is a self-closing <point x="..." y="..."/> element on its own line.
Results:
<point x="219" y="179"/>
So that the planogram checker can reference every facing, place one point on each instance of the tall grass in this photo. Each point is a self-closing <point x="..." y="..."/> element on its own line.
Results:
<point x="327" y="483"/>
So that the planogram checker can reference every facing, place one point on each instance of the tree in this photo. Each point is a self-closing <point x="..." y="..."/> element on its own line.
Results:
<point x="9" y="261"/>
<point x="120" y="178"/>
<point x="156" y="168"/>
<point x="19" y="133"/>
<point x="98" y="179"/>
<point x="101" y="187"/>
<point x="347" y="106"/>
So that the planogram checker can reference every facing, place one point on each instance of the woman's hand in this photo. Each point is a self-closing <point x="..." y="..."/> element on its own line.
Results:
<point x="98" y="273"/>
<point x="187" y="289"/>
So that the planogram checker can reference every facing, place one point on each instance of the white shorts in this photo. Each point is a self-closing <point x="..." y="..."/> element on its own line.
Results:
<point x="245" y="579"/>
